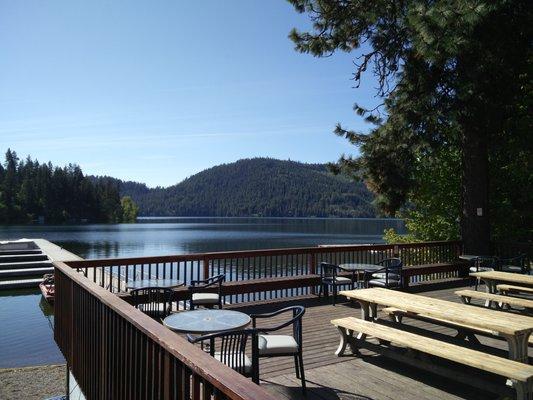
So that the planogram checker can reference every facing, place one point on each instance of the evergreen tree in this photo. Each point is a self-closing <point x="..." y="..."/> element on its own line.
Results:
<point x="453" y="76"/>
<point x="29" y="190"/>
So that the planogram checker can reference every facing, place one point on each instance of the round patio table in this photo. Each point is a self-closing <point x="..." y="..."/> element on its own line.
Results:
<point x="471" y="257"/>
<point x="360" y="267"/>
<point x="154" y="283"/>
<point x="206" y="321"/>
<point x="356" y="267"/>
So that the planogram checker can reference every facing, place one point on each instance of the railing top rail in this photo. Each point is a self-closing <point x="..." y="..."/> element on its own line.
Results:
<point x="220" y="376"/>
<point x="248" y="253"/>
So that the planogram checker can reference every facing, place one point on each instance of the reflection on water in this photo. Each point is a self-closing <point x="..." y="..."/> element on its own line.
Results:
<point x="26" y="331"/>
<point x="158" y="236"/>
<point x="26" y="321"/>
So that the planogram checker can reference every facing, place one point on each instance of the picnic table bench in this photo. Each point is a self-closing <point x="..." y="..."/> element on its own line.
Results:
<point x="516" y="329"/>
<point x="505" y="288"/>
<point x="492" y="278"/>
<point x="463" y="331"/>
<point x="521" y="375"/>
<point x="496" y="300"/>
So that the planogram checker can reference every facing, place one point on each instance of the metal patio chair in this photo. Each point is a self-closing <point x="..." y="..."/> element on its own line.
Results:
<point x="516" y="264"/>
<point x="206" y="292"/>
<point x="154" y="302"/>
<point x="390" y="276"/>
<point x="230" y="349"/>
<point x="329" y="277"/>
<point x="268" y="345"/>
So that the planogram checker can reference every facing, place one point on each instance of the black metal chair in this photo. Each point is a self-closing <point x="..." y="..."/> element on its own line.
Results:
<point x="482" y="264"/>
<point x="206" y="292"/>
<point x="155" y="302"/>
<point x="267" y="345"/>
<point x="230" y="348"/>
<point x="390" y="276"/>
<point x="516" y="264"/>
<point x="329" y="277"/>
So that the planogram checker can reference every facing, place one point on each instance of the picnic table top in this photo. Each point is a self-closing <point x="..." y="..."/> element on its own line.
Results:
<point x="505" y="277"/>
<point x="498" y="322"/>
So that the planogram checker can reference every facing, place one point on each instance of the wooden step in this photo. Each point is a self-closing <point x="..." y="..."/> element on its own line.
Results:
<point x="22" y="258"/>
<point x="10" y="273"/>
<point x="19" y="252"/>
<point x="496" y="298"/>
<point x="28" y="264"/>
<point x="20" y="284"/>
<point x="514" y="289"/>
<point x="486" y="362"/>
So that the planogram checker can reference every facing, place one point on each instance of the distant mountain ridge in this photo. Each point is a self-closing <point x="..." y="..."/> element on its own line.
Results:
<point x="255" y="187"/>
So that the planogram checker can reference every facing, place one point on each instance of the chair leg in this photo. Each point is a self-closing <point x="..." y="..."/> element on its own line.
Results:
<point x="302" y="374"/>
<point x="334" y="294"/>
<point x="255" y="370"/>
<point x="296" y="366"/>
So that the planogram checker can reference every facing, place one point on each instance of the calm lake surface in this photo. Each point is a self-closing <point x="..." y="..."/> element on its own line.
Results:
<point x="26" y="321"/>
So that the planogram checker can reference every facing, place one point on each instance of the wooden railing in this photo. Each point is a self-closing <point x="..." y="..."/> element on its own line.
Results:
<point x="116" y="352"/>
<point x="264" y="274"/>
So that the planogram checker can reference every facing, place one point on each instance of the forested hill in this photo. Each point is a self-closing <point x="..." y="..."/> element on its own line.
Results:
<point x="256" y="187"/>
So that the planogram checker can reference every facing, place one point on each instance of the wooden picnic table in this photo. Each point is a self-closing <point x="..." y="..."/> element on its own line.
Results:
<point x="516" y="329"/>
<point x="492" y="278"/>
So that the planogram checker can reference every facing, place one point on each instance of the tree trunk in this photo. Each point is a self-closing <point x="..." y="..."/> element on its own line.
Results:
<point x="475" y="227"/>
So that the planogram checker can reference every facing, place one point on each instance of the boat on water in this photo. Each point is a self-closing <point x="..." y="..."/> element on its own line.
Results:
<point x="47" y="288"/>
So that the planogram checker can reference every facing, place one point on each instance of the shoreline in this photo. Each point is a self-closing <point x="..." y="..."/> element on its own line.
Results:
<point x="33" y="383"/>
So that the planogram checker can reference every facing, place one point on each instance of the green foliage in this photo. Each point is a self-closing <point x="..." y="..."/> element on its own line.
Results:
<point x="29" y="191"/>
<point x="434" y="203"/>
<point x="452" y="74"/>
<point x="129" y="209"/>
<point x="255" y="187"/>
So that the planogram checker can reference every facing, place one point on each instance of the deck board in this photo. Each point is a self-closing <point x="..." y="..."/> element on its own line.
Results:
<point x="370" y="376"/>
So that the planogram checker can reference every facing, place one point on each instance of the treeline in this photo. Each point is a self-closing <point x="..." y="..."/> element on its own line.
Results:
<point x="255" y="187"/>
<point x="30" y="192"/>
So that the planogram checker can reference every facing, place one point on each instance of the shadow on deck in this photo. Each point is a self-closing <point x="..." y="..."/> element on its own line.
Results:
<point x="367" y="375"/>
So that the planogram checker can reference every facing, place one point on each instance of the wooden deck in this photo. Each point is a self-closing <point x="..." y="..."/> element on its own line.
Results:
<point x="368" y="376"/>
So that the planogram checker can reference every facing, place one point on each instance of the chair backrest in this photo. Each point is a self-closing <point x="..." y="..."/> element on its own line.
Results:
<point x="297" y="316"/>
<point x="206" y="283"/>
<point x="516" y="261"/>
<point x="485" y="262"/>
<point x="154" y="302"/>
<point x="328" y="271"/>
<point x="229" y="348"/>
<point x="392" y="266"/>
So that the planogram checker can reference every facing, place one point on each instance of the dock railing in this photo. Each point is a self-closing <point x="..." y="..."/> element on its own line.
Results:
<point x="268" y="274"/>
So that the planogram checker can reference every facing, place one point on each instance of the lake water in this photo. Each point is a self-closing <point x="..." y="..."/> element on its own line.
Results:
<point x="26" y="335"/>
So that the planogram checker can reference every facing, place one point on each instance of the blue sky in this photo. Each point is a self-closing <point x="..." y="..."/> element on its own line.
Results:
<point x="157" y="91"/>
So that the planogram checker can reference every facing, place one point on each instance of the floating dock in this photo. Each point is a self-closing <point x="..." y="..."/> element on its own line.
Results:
<point x="23" y="262"/>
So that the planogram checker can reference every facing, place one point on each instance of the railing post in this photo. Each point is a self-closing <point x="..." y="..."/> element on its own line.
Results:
<point x="312" y="268"/>
<point x="205" y="263"/>
<point x="396" y="251"/>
